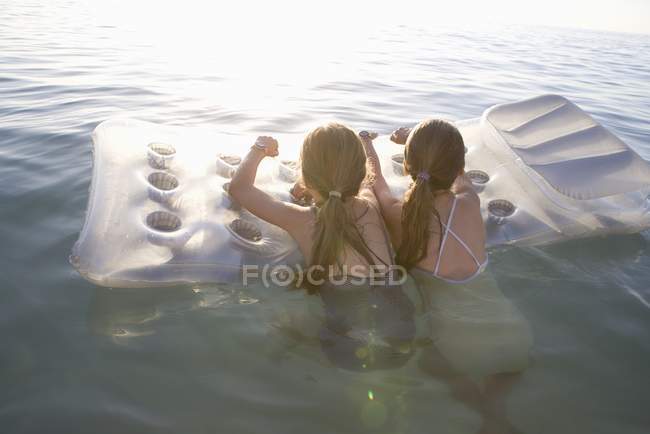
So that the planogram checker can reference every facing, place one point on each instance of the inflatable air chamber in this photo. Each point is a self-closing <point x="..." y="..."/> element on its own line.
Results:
<point x="159" y="212"/>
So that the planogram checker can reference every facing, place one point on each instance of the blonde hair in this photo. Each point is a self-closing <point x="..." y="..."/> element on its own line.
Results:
<point x="333" y="160"/>
<point x="434" y="156"/>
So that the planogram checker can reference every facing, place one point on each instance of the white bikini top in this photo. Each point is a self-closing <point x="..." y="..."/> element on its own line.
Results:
<point x="480" y="266"/>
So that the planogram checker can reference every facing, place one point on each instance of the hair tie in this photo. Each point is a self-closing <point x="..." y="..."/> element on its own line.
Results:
<point x="424" y="176"/>
<point x="335" y="193"/>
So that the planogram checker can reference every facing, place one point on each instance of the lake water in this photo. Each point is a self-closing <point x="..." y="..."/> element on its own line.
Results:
<point x="75" y="357"/>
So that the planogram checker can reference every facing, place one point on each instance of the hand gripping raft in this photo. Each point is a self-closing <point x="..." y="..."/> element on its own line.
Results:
<point x="159" y="211"/>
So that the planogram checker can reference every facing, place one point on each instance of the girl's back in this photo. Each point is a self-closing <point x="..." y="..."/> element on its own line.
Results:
<point x="370" y="225"/>
<point x="458" y="252"/>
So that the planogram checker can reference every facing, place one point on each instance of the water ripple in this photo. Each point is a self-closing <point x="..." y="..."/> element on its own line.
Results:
<point x="80" y="358"/>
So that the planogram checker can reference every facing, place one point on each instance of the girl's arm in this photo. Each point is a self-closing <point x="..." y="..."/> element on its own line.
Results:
<point x="263" y="205"/>
<point x="390" y="206"/>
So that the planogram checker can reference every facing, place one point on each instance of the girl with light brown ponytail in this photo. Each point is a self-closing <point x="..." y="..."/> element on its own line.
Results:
<point x="438" y="226"/>
<point x="344" y="229"/>
<point x="342" y="235"/>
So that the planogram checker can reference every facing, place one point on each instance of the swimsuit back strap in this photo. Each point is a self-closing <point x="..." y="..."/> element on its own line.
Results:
<point x="465" y="246"/>
<point x="444" y="237"/>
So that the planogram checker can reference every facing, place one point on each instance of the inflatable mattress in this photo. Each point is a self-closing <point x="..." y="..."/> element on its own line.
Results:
<point x="159" y="212"/>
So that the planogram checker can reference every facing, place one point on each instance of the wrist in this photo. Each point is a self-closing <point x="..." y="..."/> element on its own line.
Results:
<point x="258" y="151"/>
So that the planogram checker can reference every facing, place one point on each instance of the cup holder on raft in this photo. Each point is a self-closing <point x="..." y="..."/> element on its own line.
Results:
<point x="398" y="164"/>
<point x="500" y="210"/>
<point x="165" y="229"/>
<point x="245" y="232"/>
<point x="162" y="186"/>
<point x="289" y="170"/>
<point x="227" y="165"/>
<point x="478" y="179"/>
<point x="163" y="221"/>
<point x="160" y="155"/>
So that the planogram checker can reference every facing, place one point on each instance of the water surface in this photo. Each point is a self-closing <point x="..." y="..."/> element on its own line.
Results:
<point x="80" y="358"/>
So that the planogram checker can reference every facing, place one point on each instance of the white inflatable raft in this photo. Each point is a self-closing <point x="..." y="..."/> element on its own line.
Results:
<point x="159" y="212"/>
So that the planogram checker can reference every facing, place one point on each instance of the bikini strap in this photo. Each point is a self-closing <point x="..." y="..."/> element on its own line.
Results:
<point x="465" y="246"/>
<point x="446" y="234"/>
<point x="458" y="238"/>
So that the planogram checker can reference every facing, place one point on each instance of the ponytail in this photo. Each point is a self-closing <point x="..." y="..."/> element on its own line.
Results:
<point x="416" y="219"/>
<point x="334" y="229"/>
